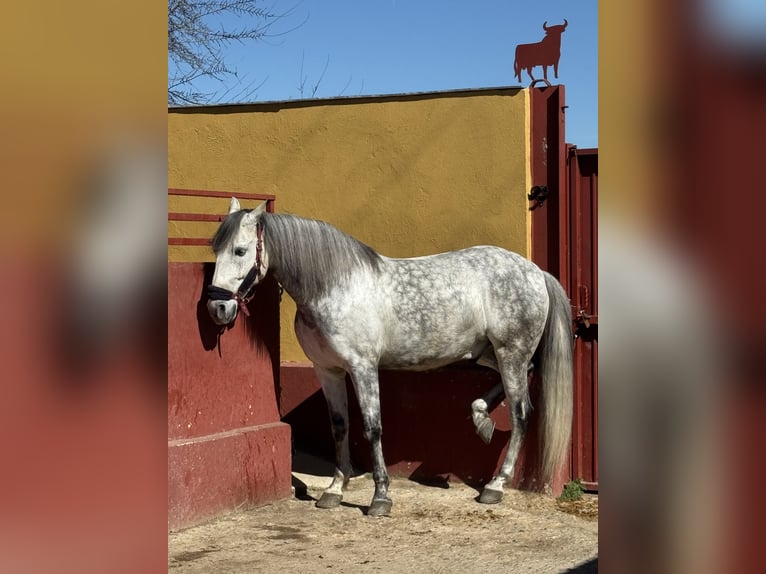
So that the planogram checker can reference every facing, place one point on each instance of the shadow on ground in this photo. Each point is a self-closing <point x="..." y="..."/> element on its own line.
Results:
<point x="589" y="567"/>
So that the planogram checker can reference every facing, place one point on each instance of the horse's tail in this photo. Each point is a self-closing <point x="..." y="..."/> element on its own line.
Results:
<point x="555" y="356"/>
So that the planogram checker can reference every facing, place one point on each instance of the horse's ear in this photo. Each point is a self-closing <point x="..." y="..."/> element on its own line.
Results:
<point x="234" y="205"/>
<point x="251" y="217"/>
<point x="258" y="211"/>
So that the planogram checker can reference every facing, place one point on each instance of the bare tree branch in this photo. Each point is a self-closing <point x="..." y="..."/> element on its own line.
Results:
<point x="198" y="36"/>
<point x="303" y="78"/>
<point x="321" y="76"/>
<point x="348" y="83"/>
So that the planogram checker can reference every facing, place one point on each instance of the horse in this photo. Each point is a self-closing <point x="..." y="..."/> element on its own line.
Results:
<point x="359" y="311"/>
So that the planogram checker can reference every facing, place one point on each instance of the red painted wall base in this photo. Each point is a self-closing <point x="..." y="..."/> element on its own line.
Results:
<point x="210" y="475"/>
<point x="226" y="445"/>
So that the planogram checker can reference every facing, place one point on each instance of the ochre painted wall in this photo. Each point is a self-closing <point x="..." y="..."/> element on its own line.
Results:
<point x="408" y="175"/>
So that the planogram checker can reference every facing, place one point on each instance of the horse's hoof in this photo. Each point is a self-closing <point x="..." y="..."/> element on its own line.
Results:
<point x="380" y="507"/>
<point x="491" y="496"/>
<point x="329" y="500"/>
<point x="485" y="430"/>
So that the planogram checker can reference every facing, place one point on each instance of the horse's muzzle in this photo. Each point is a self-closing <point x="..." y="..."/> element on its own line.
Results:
<point x="222" y="312"/>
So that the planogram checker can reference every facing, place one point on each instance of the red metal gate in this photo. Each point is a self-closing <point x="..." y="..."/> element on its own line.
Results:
<point x="564" y="242"/>
<point x="583" y="196"/>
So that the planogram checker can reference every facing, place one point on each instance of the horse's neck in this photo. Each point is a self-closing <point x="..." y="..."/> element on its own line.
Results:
<point x="291" y="285"/>
<point x="316" y="260"/>
<point x="292" y="282"/>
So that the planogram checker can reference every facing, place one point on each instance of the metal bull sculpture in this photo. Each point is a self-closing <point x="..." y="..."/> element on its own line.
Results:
<point x="544" y="53"/>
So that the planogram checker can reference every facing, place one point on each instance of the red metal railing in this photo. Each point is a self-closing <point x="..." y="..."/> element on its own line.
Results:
<point x="208" y="217"/>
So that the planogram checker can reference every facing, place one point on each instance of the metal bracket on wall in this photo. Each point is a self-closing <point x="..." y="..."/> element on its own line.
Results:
<point x="538" y="194"/>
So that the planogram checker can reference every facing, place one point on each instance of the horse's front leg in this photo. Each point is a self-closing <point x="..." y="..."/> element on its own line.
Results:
<point x="334" y="387"/>
<point x="365" y="378"/>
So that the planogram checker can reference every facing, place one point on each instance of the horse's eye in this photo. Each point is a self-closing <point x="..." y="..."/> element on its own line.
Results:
<point x="240" y="251"/>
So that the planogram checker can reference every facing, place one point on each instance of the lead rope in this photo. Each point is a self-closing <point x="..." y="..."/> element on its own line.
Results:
<point x="218" y="340"/>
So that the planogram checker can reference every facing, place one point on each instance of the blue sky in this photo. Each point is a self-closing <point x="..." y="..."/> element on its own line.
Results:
<point x="398" y="46"/>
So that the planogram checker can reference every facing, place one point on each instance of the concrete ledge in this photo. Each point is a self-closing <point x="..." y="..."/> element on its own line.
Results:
<point x="214" y="474"/>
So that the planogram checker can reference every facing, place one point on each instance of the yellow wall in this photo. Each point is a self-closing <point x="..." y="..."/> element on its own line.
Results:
<point x="408" y="175"/>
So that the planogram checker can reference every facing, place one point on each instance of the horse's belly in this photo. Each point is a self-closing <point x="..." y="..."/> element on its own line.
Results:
<point x="430" y="329"/>
<point x="426" y="355"/>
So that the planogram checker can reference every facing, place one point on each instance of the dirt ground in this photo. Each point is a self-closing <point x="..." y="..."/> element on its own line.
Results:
<point x="431" y="529"/>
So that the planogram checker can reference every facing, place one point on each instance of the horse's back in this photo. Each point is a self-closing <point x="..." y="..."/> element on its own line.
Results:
<point x="447" y="307"/>
<point x="512" y="289"/>
<point x="485" y="271"/>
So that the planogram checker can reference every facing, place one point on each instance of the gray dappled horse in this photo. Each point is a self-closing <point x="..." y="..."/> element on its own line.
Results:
<point x="358" y="311"/>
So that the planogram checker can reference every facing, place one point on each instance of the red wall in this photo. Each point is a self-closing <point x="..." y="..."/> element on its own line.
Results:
<point x="226" y="444"/>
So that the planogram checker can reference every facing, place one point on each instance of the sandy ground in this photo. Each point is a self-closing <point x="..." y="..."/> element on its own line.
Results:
<point x="431" y="529"/>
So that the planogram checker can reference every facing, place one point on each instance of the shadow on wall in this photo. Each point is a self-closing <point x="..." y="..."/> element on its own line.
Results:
<point x="209" y="332"/>
<point x="262" y="326"/>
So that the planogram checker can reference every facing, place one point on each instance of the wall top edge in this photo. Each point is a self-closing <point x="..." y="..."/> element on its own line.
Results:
<point x="461" y="92"/>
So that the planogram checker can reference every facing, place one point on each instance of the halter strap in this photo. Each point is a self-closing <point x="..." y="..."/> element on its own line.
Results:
<point x="246" y="289"/>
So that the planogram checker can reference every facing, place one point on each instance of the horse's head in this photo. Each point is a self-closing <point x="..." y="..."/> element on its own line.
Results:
<point x="240" y="262"/>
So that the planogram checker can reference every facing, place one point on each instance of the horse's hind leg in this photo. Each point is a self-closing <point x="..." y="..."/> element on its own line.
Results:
<point x="480" y="408"/>
<point x="334" y="387"/>
<point x="480" y="412"/>
<point x="513" y="370"/>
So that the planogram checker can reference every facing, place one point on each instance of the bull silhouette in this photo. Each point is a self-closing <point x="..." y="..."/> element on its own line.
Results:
<point x="544" y="53"/>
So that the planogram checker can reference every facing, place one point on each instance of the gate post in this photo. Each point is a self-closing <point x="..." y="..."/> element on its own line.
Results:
<point x="550" y="220"/>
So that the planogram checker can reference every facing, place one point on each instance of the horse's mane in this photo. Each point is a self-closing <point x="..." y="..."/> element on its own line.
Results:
<point x="311" y="256"/>
<point x="308" y="256"/>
